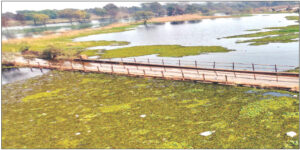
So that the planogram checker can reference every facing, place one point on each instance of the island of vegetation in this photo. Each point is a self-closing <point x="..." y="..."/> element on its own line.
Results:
<point x="276" y="35"/>
<point x="162" y="51"/>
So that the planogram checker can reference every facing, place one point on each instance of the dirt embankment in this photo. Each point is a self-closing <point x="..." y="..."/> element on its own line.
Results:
<point x="185" y="17"/>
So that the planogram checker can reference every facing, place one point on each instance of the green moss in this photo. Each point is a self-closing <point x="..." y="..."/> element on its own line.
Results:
<point x="42" y="95"/>
<point x="174" y="145"/>
<point x="162" y="51"/>
<point x="141" y="132"/>
<point x="293" y="115"/>
<point x="195" y="103"/>
<point x="259" y="107"/>
<point x="114" y="108"/>
<point x="87" y="110"/>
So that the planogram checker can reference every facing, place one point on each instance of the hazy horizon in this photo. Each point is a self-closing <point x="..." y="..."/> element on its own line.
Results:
<point x="17" y="6"/>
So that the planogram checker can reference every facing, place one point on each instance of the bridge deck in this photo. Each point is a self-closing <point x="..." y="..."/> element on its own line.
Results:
<point x="220" y="76"/>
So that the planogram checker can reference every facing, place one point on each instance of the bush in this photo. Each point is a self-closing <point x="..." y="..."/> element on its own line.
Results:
<point x="50" y="53"/>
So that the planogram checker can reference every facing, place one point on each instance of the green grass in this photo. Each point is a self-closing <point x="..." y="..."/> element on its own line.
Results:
<point x="276" y="35"/>
<point x="162" y="51"/>
<point x="294" y="70"/>
<point x="64" y="42"/>
<point x="86" y="110"/>
<point x="292" y="17"/>
<point x="90" y="52"/>
<point x="253" y="30"/>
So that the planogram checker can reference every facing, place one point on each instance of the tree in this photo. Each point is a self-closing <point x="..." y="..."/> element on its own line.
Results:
<point x="20" y="18"/>
<point x="80" y="15"/>
<point x="99" y="12"/>
<point x="4" y="21"/>
<point x="111" y="9"/>
<point x="51" y="13"/>
<point x="41" y="18"/>
<point x="50" y="53"/>
<point x="143" y="15"/>
<point x="171" y="10"/>
<point x="191" y="9"/>
<point x="68" y="14"/>
<point x="157" y="9"/>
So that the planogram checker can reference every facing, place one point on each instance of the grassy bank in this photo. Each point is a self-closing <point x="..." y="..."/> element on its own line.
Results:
<point x="294" y="70"/>
<point x="187" y="17"/>
<point x="64" y="42"/>
<point x="69" y="110"/>
<point x="276" y="35"/>
<point x="162" y="51"/>
<point x="292" y="18"/>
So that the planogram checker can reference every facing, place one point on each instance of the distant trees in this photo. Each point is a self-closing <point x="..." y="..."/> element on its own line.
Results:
<point x="73" y="14"/>
<point x="143" y="15"/>
<point x="99" y="12"/>
<point x="156" y="9"/>
<point x="20" y="18"/>
<point x="40" y="18"/>
<point x="4" y="21"/>
<point x="191" y="9"/>
<point x="111" y="10"/>
<point x="174" y="9"/>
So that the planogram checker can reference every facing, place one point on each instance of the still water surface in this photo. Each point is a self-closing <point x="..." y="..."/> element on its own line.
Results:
<point x="210" y="32"/>
<point x="10" y="75"/>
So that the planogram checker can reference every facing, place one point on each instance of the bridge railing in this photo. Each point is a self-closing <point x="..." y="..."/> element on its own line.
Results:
<point x="207" y="64"/>
<point x="161" y="72"/>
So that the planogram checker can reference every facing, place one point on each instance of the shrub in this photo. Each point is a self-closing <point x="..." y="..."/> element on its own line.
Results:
<point x="50" y="53"/>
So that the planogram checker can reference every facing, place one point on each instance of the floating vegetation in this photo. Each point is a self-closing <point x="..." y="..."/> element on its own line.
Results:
<point x="276" y="35"/>
<point x="253" y="30"/>
<point x="162" y="51"/>
<point x="86" y="110"/>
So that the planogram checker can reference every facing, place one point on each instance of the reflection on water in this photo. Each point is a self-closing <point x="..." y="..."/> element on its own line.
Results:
<point x="194" y="21"/>
<point x="10" y="75"/>
<point x="177" y="22"/>
<point x="210" y="32"/>
<point x="34" y="31"/>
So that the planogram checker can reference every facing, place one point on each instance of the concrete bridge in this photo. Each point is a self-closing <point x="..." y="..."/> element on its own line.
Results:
<point x="239" y="74"/>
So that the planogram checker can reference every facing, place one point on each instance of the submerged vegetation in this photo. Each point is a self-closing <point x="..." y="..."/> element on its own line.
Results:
<point x="86" y="110"/>
<point x="276" y="35"/>
<point x="64" y="41"/>
<point x="162" y="51"/>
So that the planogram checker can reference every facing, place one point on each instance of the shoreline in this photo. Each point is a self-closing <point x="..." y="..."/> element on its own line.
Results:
<point x="186" y="17"/>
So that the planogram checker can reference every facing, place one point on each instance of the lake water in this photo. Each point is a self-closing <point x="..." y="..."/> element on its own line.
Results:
<point x="10" y="75"/>
<point x="37" y="31"/>
<point x="208" y="32"/>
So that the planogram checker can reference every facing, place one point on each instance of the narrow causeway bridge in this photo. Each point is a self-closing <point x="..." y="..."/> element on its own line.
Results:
<point x="239" y="74"/>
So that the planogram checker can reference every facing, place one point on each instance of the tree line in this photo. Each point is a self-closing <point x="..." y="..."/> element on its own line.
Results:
<point x="144" y="12"/>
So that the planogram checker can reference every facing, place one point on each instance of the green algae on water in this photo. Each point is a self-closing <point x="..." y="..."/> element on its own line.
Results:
<point x="86" y="110"/>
